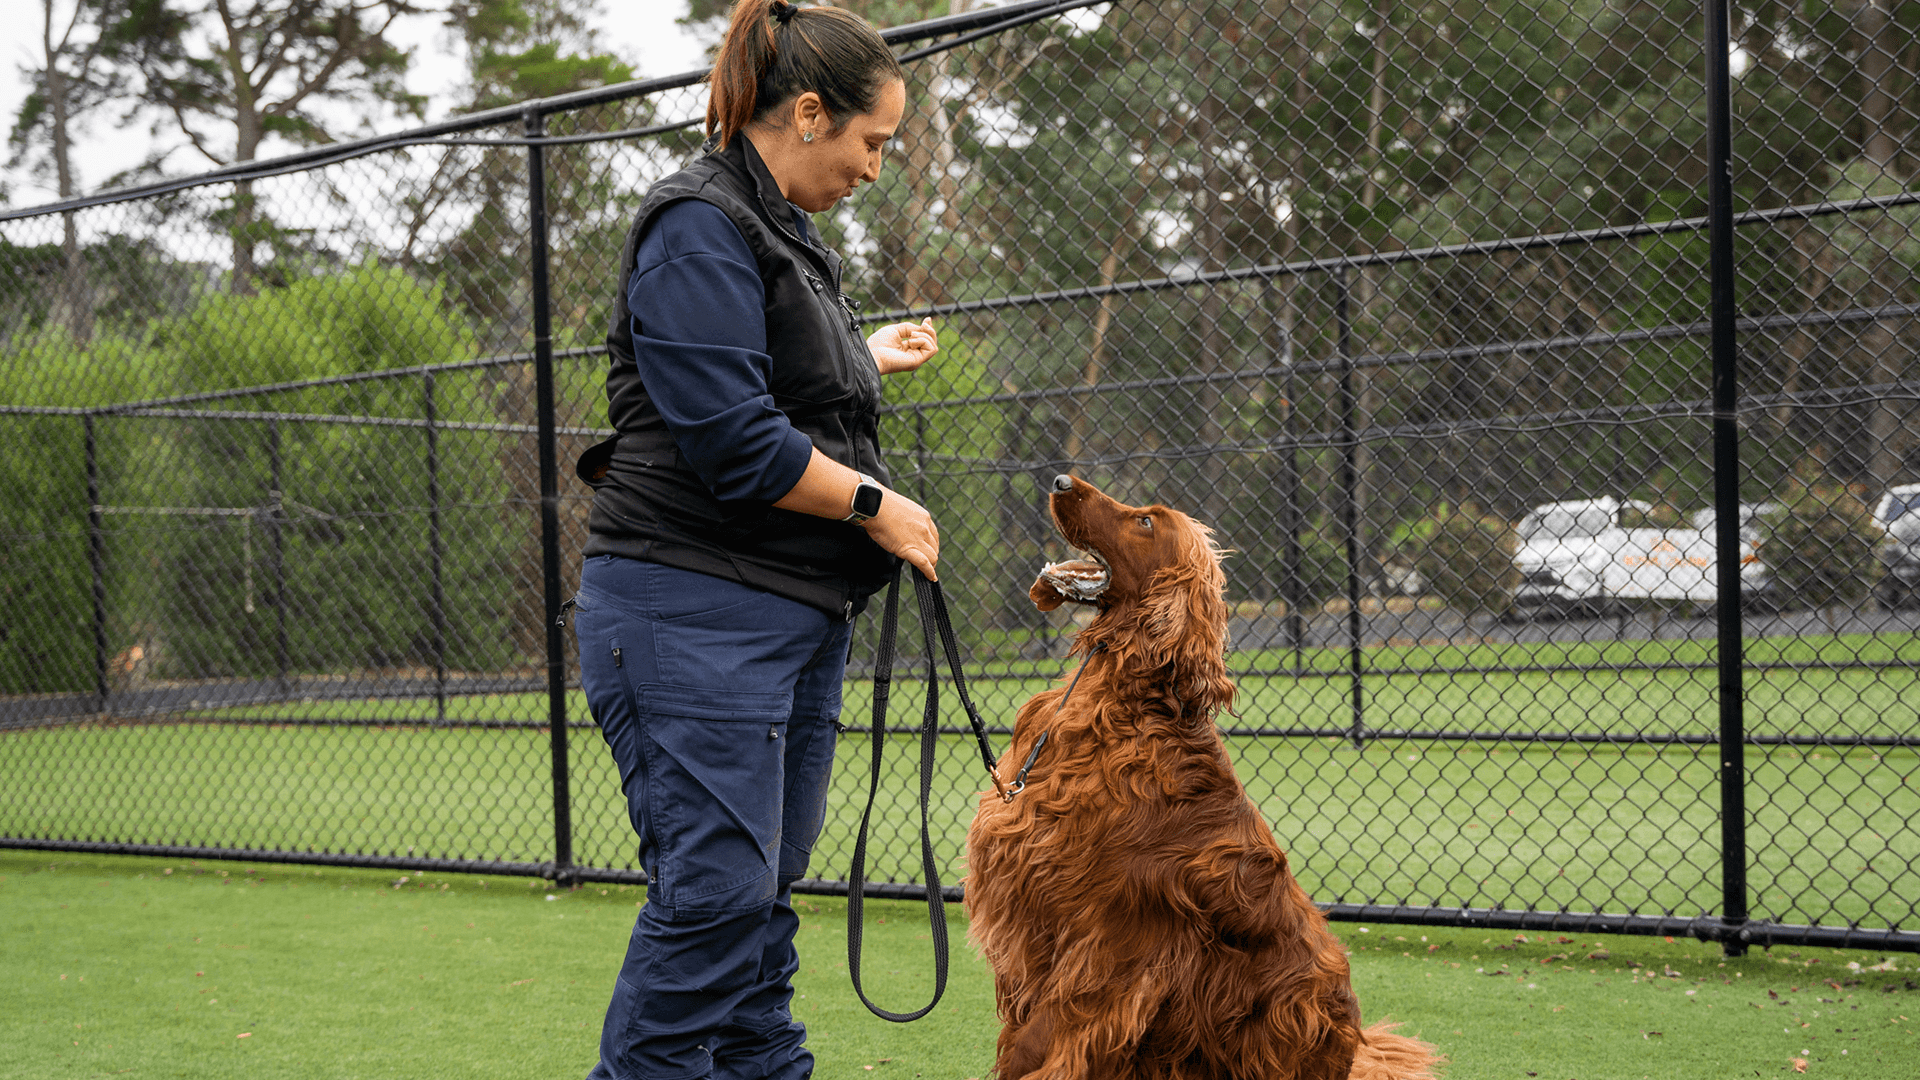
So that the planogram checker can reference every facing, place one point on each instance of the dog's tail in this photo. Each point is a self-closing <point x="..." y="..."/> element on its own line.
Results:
<point x="1383" y="1055"/>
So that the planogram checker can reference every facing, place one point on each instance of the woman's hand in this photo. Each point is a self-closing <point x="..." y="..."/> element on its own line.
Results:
<point x="903" y="346"/>
<point x="904" y="528"/>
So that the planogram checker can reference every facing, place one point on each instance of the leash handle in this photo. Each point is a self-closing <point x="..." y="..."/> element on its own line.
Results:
<point x="929" y="734"/>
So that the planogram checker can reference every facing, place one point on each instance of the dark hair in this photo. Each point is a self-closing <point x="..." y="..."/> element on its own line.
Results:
<point x="774" y="52"/>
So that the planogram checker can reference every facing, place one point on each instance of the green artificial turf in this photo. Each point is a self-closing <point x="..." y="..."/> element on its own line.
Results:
<point x="116" y="967"/>
<point x="1582" y="827"/>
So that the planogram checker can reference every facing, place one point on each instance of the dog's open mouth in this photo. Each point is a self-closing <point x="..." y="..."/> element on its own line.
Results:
<point x="1078" y="579"/>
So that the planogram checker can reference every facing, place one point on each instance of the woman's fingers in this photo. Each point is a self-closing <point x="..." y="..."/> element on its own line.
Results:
<point x="904" y="528"/>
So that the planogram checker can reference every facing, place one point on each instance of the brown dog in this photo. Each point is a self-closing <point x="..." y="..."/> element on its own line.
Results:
<point x="1139" y="917"/>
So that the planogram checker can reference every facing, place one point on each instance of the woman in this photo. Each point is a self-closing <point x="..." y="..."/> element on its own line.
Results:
<point x="741" y="519"/>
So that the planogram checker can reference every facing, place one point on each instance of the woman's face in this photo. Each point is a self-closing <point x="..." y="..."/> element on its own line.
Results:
<point x="828" y="169"/>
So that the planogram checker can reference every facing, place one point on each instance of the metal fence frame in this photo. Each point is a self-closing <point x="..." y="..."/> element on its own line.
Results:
<point x="1732" y="927"/>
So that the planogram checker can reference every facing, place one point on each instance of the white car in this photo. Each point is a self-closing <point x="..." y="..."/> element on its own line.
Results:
<point x="1587" y="555"/>
<point x="1898" y="512"/>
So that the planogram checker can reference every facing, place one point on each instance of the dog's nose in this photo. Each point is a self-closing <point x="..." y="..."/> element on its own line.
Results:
<point x="1063" y="483"/>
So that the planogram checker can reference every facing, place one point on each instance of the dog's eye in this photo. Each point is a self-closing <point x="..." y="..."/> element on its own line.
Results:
<point x="1146" y="523"/>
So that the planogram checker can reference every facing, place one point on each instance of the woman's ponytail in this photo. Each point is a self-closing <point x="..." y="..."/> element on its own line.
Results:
<point x="774" y="51"/>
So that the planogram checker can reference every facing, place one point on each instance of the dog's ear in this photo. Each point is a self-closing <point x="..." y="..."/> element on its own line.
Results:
<point x="1183" y="621"/>
<point x="1044" y="595"/>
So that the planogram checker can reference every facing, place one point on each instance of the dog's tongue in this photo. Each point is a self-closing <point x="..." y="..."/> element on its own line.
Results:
<point x="1078" y="579"/>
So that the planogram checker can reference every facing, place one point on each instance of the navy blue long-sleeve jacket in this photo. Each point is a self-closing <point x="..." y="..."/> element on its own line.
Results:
<point x="700" y="341"/>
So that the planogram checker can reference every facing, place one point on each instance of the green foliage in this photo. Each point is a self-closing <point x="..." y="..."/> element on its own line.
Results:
<point x="331" y="568"/>
<point x="46" y="581"/>
<point x="226" y="534"/>
<point x="1819" y="546"/>
<point x="1464" y="553"/>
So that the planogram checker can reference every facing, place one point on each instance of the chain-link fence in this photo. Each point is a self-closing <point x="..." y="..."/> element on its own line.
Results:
<point x="1454" y="321"/>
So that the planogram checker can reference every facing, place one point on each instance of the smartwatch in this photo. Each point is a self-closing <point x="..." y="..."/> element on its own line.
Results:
<point x="866" y="500"/>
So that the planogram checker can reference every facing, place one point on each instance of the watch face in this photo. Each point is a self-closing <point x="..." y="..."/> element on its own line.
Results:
<point x="866" y="499"/>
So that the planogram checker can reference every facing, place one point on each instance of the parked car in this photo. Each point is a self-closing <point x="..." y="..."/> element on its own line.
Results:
<point x="1586" y="556"/>
<point x="1898" y="512"/>
<point x="1757" y="587"/>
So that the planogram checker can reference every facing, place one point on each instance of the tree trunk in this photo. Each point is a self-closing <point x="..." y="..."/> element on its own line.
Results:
<point x="1090" y="375"/>
<point x="74" y="302"/>
<point x="1367" y="286"/>
<point x="249" y="131"/>
<point x="1885" y="352"/>
<point x="1877" y="44"/>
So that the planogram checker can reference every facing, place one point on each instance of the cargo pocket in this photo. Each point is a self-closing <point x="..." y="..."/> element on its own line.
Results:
<point x="715" y="758"/>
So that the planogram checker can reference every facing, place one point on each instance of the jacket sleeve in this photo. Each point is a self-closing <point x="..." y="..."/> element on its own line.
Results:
<point x="700" y="341"/>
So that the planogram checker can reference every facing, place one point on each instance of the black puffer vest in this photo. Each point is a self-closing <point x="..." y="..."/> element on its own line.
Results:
<point x="649" y="504"/>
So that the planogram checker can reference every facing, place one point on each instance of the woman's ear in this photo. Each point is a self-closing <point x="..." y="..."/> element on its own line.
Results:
<point x="809" y="114"/>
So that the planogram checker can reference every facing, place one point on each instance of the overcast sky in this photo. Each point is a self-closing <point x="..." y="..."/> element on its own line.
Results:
<point x="644" y="34"/>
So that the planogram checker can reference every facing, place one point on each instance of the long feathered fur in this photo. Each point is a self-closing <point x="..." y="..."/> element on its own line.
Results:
<point x="1140" y="919"/>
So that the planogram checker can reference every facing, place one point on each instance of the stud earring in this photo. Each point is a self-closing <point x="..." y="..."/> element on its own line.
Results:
<point x="806" y="136"/>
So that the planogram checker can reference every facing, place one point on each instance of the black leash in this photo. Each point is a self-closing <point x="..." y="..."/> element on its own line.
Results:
<point x="933" y="619"/>
<point x="1020" y="779"/>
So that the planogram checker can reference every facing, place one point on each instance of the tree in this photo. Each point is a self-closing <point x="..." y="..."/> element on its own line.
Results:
<point x="228" y="74"/>
<point x="74" y="78"/>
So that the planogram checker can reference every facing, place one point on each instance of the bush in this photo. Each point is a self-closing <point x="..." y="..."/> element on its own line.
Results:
<point x="46" y="582"/>
<point x="1819" y="545"/>
<point x="198" y="569"/>
<point x="1464" y="554"/>
<point x="350" y="544"/>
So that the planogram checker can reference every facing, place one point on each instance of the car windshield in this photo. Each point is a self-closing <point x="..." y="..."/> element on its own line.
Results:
<point x="1561" y="523"/>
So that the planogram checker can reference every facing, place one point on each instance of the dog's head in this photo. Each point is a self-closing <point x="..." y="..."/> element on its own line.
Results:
<point x="1154" y="574"/>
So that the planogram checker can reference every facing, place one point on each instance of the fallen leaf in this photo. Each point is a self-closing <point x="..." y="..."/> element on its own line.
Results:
<point x="1563" y="941"/>
<point x="1799" y="1064"/>
<point x="1600" y="954"/>
<point x="1552" y="958"/>
<point x="244" y="1035"/>
<point x="1651" y="1034"/>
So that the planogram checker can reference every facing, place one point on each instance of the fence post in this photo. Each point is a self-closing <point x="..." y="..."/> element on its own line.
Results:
<point x="536" y="126"/>
<point x="1289" y="472"/>
<point x="276" y="519"/>
<point x="1726" y="475"/>
<point x="97" y="562"/>
<point x="436" y="554"/>
<point x="1350" y="493"/>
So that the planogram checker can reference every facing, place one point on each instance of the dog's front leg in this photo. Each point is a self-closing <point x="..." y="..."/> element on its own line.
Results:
<point x="1023" y="1049"/>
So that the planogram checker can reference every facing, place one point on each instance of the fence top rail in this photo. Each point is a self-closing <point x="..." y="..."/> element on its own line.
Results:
<point x="1005" y="16"/>
<point x="1357" y="260"/>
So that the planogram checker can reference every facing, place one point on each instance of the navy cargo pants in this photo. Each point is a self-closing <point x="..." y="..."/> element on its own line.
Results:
<point x="718" y="702"/>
